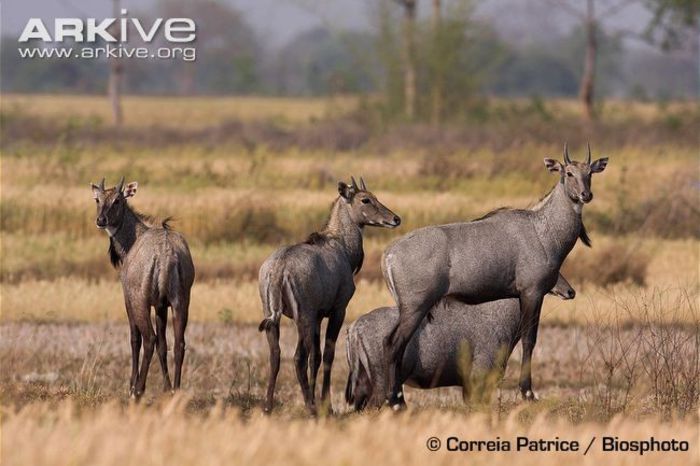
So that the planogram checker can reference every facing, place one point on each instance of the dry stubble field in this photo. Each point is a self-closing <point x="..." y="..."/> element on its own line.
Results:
<point x="242" y="176"/>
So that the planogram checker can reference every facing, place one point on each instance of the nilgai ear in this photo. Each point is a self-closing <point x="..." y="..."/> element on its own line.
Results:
<point x="599" y="165"/>
<point x="553" y="165"/>
<point x="345" y="191"/>
<point x="130" y="190"/>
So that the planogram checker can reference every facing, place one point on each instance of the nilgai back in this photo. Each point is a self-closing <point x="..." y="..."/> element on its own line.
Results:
<point x="156" y="270"/>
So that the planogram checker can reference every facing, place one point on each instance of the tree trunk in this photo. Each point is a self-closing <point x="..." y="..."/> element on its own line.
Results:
<point x="116" y="70"/>
<point x="586" y="92"/>
<point x="409" y="57"/>
<point x="438" y="77"/>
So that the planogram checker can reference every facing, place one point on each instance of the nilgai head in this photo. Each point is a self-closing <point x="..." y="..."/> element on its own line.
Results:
<point x="111" y="203"/>
<point x="576" y="176"/>
<point x="364" y="207"/>
<point x="563" y="290"/>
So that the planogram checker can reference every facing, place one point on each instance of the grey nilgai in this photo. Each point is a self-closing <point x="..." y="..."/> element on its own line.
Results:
<point x="509" y="253"/>
<point x="460" y="345"/>
<point x="156" y="270"/>
<point x="313" y="280"/>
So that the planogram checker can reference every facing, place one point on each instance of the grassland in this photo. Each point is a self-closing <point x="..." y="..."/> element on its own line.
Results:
<point x="243" y="176"/>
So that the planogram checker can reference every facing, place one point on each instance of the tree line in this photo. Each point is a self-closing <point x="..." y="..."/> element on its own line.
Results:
<point x="424" y="67"/>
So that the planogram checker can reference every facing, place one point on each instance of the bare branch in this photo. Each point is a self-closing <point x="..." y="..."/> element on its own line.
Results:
<point x="616" y="8"/>
<point x="568" y="8"/>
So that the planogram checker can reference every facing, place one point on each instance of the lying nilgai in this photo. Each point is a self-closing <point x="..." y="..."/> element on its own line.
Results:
<point x="156" y="270"/>
<point x="460" y="345"/>
<point x="510" y="253"/>
<point x="314" y="280"/>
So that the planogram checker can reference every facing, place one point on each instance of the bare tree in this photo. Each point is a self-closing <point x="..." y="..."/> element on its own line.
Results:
<point x="116" y="71"/>
<point x="591" y="25"/>
<point x="408" y="52"/>
<point x="438" y="79"/>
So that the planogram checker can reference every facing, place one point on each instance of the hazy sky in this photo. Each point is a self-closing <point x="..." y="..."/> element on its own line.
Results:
<point x="277" y="21"/>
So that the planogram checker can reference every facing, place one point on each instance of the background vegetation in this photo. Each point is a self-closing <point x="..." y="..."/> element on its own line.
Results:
<point x="245" y="174"/>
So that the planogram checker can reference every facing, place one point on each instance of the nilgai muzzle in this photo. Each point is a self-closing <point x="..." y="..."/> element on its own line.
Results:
<point x="465" y="345"/>
<point x="509" y="253"/>
<point x="156" y="270"/>
<point x="314" y="279"/>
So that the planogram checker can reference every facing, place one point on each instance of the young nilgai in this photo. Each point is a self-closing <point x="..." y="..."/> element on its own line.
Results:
<point x="313" y="280"/>
<point x="465" y="345"/>
<point x="156" y="270"/>
<point x="510" y="253"/>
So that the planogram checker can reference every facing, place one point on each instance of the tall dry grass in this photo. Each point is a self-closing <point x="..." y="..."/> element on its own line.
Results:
<point x="166" y="433"/>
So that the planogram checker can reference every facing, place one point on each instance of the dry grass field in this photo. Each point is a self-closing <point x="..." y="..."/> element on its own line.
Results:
<point x="242" y="176"/>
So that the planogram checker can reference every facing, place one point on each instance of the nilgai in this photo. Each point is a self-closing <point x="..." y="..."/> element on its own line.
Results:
<point x="509" y="253"/>
<point x="313" y="280"/>
<point x="156" y="270"/>
<point x="460" y="345"/>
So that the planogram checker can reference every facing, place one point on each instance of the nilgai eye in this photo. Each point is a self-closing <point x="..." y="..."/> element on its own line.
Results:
<point x="97" y="201"/>
<point x="569" y="174"/>
<point x="365" y="201"/>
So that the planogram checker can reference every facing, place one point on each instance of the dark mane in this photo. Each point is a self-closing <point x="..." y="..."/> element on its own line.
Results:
<point x="114" y="257"/>
<point x="165" y="223"/>
<point x="149" y="220"/>
<point x="583" y="235"/>
<point x="316" y="238"/>
<point x="493" y="212"/>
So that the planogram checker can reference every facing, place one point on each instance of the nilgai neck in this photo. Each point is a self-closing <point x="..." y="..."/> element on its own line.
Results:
<point x="558" y="223"/>
<point x="125" y="235"/>
<point x="342" y="228"/>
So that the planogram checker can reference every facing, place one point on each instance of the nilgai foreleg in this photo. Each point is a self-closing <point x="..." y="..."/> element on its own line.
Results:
<point x="162" y="343"/>
<point x="135" y="353"/>
<point x="301" y="360"/>
<point x="314" y="360"/>
<point x="530" y="307"/>
<point x="335" y="322"/>
<point x="143" y="320"/>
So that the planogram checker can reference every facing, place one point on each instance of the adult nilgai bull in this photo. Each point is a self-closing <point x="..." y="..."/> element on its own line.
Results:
<point x="465" y="345"/>
<point x="156" y="271"/>
<point x="509" y="253"/>
<point x="313" y="280"/>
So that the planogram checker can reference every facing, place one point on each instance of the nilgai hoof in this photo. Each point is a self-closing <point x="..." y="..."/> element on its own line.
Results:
<point x="313" y="412"/>
<point x="530" y="396"/>
<point x="397" y="403"/>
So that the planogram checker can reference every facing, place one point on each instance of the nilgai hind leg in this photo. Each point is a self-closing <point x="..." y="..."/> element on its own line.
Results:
<point x="273" y="339"/>
<point x="162" y="344"/>
<point x="395" y="345"/>
<point x="180" y="314"/>
<point x="530" y="307"/>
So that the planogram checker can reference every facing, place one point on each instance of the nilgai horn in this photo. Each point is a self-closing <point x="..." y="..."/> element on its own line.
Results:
<point x="313" y="280"/>
<point x="509" y="253"/>
<point x="463" y="345"/>
<point x="156" y="270"/>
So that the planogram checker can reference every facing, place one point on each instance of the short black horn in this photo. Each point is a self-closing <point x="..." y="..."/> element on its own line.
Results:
<point x="588" y="160"/>
<point x="567" y="160"/>
<point x="120" y="185"/>
<point x="102" y="184"/>
<point x="362" y="184"/>
<point x="354" y="183"/>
